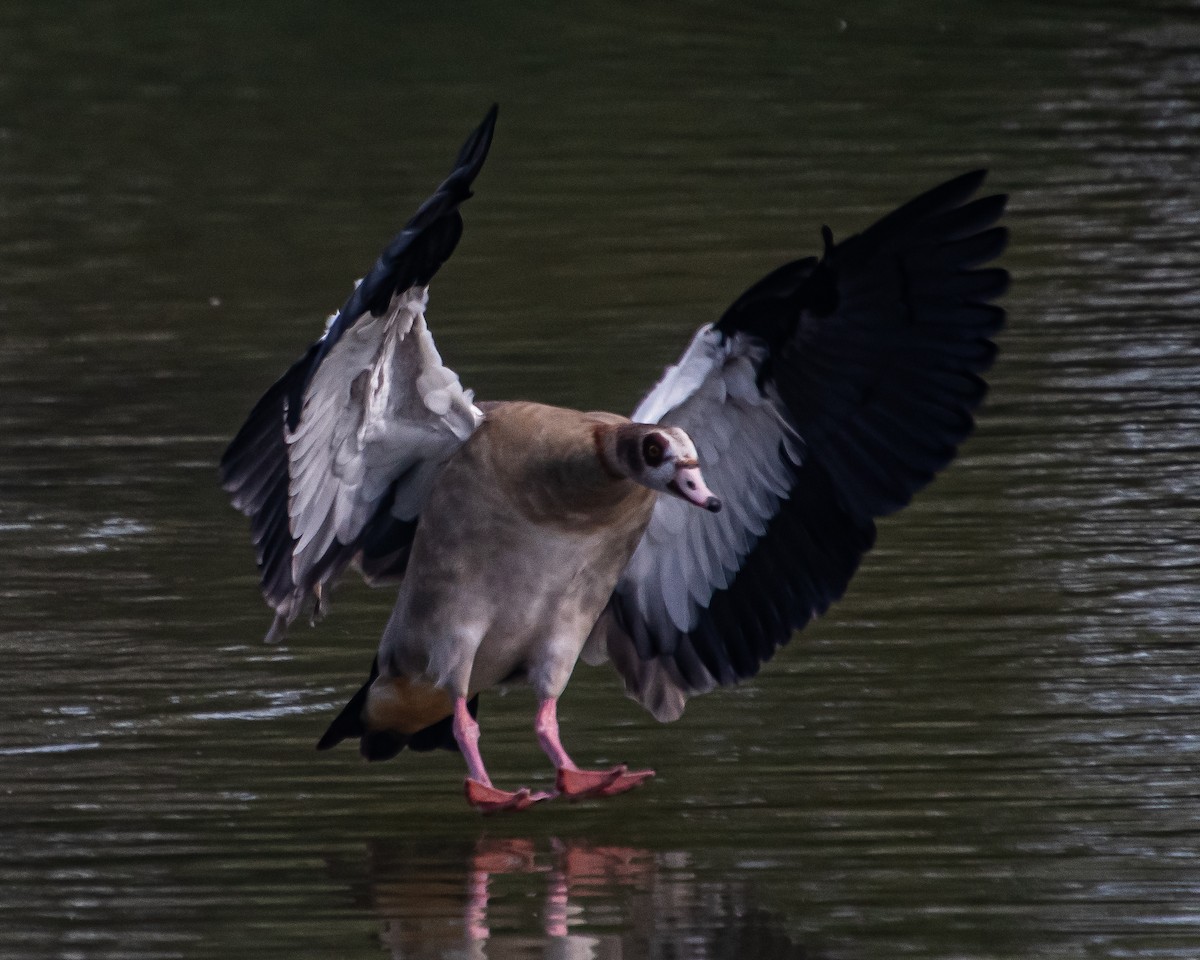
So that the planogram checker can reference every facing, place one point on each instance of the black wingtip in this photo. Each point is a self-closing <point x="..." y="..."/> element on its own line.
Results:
<point x="475" y="150"/>
<point x="412" y="257"/>
<point x="963" y="186"/>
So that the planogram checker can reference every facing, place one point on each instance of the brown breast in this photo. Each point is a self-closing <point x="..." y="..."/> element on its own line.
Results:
<point x="548" y="464"/>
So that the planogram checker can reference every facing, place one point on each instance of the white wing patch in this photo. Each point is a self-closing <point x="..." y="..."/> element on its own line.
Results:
<point x="381" y="406"/>
<point x="681" y="380"/>
<point x="748" y="452"/>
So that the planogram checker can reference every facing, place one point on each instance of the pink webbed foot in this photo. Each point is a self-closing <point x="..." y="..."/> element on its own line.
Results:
<point x="573" y="783"/>
<point x="488" y="799"/>
<point x="581" y="784"/>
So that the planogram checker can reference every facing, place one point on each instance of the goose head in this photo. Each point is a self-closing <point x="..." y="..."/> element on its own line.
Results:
<point x="663" y="459"/>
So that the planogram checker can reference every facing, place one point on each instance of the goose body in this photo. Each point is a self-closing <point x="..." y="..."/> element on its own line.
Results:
<point x="524" y="536"/>
<point x="519" y="546"/>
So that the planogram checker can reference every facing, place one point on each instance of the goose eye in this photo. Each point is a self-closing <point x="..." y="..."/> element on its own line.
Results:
<point x="652" y="451"/>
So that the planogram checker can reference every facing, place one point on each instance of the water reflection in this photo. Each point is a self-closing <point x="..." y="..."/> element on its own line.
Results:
<point x="524" y="896"/>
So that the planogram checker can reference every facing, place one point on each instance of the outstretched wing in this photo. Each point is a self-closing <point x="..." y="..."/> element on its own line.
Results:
<point x="335" y="461"/>
<point x="826" y="396"/>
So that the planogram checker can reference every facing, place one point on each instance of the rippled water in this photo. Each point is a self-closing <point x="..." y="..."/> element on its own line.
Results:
<point x="989" y="749"/>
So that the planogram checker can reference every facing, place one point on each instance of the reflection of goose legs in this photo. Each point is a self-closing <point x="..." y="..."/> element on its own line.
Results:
<point x="573" y="783"/>
<point x="475" y="918"/>
<point x="480" y="792"/>
<point x="493" y="856"/>
<point x="558" y="906"/>
<point x="575" y="868"/>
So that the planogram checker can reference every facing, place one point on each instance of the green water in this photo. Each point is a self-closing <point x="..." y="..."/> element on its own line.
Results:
<point x="987" y="750"/>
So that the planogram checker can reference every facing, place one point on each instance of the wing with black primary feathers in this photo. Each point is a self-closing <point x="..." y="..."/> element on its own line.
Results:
<point x="335" y="461"/>
<point x="827" y="395"/>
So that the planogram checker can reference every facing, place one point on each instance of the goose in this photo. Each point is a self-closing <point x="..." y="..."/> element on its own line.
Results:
<point x="685" y="543"/>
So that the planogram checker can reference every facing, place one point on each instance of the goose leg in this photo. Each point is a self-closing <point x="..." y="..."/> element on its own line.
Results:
<point x="574" y="783"/>
<point x="480" y="792"/>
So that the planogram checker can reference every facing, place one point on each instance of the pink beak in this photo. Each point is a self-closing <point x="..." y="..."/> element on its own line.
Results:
<point x="690" y="485"/>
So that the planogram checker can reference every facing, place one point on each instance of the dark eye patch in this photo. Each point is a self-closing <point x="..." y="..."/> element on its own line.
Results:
<point x="653" y="449"/>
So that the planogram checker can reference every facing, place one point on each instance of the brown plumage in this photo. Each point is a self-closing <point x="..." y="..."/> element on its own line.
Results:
<point x="524" y="536"/>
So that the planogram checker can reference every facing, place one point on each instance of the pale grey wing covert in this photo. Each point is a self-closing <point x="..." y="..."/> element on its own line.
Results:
<point x="825" y="397"/>
<point x="334" y="462"/>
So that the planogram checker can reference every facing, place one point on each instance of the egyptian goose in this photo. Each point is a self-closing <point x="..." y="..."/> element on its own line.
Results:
<point x="524" y="536"/>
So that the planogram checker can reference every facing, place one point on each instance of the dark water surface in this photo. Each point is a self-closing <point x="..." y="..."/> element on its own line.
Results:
<point x="989" y="749"/>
